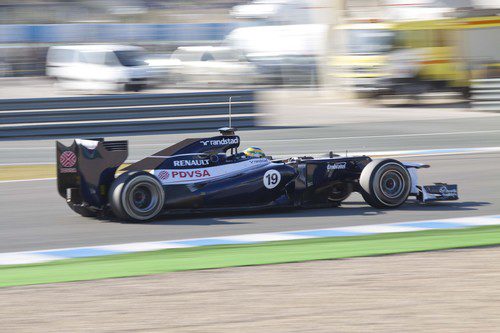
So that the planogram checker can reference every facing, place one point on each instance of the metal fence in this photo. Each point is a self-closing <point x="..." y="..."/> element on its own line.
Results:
<point x="123" y="114"/>
<point x="115" y="33"/>
<point x="486" y="94"/>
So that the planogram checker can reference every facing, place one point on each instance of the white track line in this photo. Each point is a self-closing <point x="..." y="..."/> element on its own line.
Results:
<point x="27" y="163"/>
<point x="380" y="136"/>
<point x="300" y="139"/>
<point x="24" y="180"/>
<point x="393" y="153"/>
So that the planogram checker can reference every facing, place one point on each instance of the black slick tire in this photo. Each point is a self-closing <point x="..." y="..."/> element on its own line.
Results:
<point x="385" y="183"/>
<point x="136" y="196"/>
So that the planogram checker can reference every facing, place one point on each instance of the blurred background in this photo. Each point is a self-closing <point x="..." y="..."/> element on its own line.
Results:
<point x="369" y="48"/>
<point x="304" y="77"/>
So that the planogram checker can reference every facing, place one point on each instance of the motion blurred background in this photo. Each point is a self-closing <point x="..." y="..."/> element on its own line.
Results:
<point x="369" y="48"/>
<point x="304" y="77"/>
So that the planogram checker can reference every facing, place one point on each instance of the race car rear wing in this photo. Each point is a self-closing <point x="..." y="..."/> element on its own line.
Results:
<point x="86" y="169"/>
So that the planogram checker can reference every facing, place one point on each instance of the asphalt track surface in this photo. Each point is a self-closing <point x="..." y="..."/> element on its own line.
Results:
<point x="34" y="217"/>
<point x="358" y="137"/>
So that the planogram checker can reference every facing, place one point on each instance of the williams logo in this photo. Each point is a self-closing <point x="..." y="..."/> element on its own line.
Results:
<point x="220" y="142"/>
<point x="336" y="166"/>
<point x="448" y="192"/>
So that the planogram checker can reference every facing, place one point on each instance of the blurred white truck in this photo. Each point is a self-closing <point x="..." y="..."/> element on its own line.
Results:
<point x="98" y="67"/>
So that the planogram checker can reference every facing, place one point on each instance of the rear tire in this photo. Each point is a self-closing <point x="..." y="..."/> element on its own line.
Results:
<point x="385" y="183"/>
<point x="137" y="196"/>
<point x="340" y="193"/>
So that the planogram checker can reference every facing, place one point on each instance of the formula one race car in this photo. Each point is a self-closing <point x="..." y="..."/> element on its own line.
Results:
<point x="207" y="174"/>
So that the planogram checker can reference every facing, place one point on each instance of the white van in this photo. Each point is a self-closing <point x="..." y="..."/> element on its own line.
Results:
<point x="101" y="67"/>
<point x="211" y="64"/>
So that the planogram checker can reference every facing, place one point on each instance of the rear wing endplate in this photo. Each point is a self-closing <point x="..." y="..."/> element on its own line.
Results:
<point x="86" y="169"/>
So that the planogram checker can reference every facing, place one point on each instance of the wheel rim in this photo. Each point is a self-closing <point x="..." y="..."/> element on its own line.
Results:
<point x="142" y="198"/>
<point x="392" y="184"/>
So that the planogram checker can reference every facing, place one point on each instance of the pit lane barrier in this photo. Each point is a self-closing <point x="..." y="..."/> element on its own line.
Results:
<point x="33" y="257"/>
<point x="486" y="94"/>
<point x="124" y="114"/>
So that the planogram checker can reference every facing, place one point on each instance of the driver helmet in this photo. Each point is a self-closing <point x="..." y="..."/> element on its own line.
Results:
<point x="254" y="152"/>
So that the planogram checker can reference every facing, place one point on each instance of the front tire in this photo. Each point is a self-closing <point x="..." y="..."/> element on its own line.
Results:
<point x="136" y="196"/>
<point x="385" y="183"/>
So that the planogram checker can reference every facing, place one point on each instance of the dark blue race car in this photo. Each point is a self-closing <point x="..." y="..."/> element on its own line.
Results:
<point x="209" y="174"/>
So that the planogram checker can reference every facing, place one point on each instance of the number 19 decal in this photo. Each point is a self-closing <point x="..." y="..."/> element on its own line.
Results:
<point x="271" y="179"/>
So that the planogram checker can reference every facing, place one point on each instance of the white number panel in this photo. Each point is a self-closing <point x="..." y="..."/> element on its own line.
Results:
<point x="271" y="178"/>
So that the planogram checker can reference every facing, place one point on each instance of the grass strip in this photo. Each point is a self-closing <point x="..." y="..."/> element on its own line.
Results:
<point x="22" y="172"/>
<point x="244" y="255"/>
<point x="26" y="172"/>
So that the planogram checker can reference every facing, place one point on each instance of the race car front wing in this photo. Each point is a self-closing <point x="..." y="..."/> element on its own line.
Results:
<point x="428" y="193"/>
<point x="438" y="192"/>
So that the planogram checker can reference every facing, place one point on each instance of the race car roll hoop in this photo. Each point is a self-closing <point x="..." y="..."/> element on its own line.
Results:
<point x="208" y="174"/>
